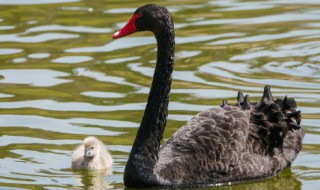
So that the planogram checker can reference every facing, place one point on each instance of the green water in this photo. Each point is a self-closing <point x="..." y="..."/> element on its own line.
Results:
<point x="62" y="78"/>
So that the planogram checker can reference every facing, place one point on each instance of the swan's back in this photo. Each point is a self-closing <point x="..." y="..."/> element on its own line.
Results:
<point x="233" y="143"/>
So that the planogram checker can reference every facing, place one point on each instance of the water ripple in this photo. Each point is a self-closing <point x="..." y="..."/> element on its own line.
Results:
<point x="78" y="29"/>
<point x="232" y="5"/>
<point x="103" y="94"/>
<point x="33" y="77"/>
<point x="70" y="106"/>
<point x="214" y="68"/>
<point x="6" y="27"/>
<point x="186" y="54"/>
<point x="294" y="68"/>
<point x="36" y="38"/>
<point x="72" y="59"/>
<point x="119" y="10"/>
<point x="188" y="76"/>
<point x="132" y="42"/>
<point x="86" y="107"/>
<point x="207" y="93"/>
<point x="286" y="17"/>
<point x="303" y="96"/>
<point x="7" y="51"/>
<point x="39" y="55"/>
<point x="211" y="68"/>
<point x="267" y="37"/>
<point x="284" y="51"/>
<point x="99" y="76"/>
<point x="191" y="39"/>
<point x="33" y="2"/>
<point x="121" y="60"/>
<point x="74" y="8"/>
<point x="70" y="126"/>
<point x="122" y="43"/>
<point x="31" y="167"/>
<point x="286" y="2"/>
<point x="19" y="60"/>
<point x="6" y="95"/>
<point x="6" y="140"/>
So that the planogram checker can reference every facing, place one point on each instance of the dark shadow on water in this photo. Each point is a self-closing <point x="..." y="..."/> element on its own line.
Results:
<point x="287" y="180"/>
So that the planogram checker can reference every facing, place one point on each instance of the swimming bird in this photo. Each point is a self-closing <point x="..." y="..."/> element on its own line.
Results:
<point x="230" y="143"/>
<point x="91" y="155"/>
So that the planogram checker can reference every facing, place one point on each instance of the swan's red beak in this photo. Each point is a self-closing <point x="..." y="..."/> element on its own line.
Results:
<point x="129" y="28"/>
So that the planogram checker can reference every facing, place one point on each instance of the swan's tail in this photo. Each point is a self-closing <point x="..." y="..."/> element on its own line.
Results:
<point x="274" y="118"/>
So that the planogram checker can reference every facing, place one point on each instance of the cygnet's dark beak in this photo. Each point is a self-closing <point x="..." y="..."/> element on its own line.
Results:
<point x="87" y="154"/>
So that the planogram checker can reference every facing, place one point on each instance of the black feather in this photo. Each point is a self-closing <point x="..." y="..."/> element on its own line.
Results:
<point x="224" y="103"/>
<point x="267" y="96"/>
<point x="240" y="98"/>
<point x="245" y="105"/>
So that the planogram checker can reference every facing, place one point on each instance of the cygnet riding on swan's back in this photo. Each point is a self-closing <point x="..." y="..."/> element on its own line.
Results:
<point x="91" y="155"/>
<point x="226" y="144"/>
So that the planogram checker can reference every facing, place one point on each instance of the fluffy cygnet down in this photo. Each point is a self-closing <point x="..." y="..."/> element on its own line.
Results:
<point x="91" y="155"/>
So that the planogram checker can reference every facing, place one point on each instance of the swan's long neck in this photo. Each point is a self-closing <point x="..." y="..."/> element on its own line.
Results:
<point x="144" y="154"/>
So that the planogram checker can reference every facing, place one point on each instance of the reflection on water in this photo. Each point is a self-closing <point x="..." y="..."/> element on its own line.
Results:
<point x="96" y="180"/>
<point x="62" y="78"/>
<point x="286" y="181"/>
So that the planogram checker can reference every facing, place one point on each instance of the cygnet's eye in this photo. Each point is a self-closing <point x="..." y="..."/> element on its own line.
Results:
<point x="92" y="148"/>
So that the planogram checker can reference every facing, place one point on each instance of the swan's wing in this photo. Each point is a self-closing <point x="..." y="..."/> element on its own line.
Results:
<point x="77" y="156"/>
<point x="207" y="147"/>
<point x="105" y="156"/>
<point x="211" y="118"/>
<point x="227" y="144"/>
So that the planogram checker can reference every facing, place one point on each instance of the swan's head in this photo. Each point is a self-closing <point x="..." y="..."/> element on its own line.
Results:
<point x="91" y="147"/>
<point x="150" y="17"/>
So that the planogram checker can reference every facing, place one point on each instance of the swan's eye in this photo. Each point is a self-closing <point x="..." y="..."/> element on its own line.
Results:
<point x="92" y="148"/>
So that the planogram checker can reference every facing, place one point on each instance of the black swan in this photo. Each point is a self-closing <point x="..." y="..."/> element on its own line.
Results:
<point x="227" y="144"/>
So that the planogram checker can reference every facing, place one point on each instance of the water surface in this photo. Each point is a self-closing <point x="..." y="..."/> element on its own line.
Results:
<point x="62" y="78"/>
